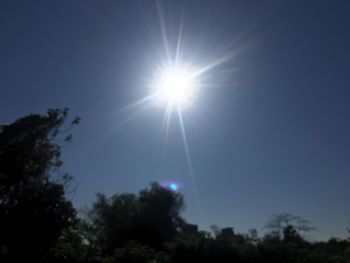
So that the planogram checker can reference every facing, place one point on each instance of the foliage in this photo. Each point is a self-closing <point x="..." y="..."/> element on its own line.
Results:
<point x="150" y="218"/>
<point x="33" y="208"/>
<point x="136" y="253"/>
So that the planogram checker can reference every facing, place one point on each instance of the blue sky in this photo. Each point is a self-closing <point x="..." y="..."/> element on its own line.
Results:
<point x="269" y="131"/>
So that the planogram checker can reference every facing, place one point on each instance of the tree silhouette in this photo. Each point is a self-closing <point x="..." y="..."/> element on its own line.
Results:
<point x="113" y="221"/>
<point x="151" y="218"/>
<point x="33" y="208"/>
<point x="160" y="217"/>
<point x="279" y="223"/>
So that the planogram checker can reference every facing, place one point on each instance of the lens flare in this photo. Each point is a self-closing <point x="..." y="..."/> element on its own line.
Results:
<point x="171" y="186"/>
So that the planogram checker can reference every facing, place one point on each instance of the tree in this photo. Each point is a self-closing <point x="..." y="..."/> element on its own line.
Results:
<point x="160" y="218"/>
<point x="113" y="221"/>
<point x="150" y="218"/>
<point x="278" y="225"/>
<point x="33" y="207"/>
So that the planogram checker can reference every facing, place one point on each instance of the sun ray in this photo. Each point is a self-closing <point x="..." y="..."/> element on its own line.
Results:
<point x="125" y="121"/>
<point x="165" y="126"/>
<point x="139" y="102"/>
<point x="167" y="119"/>
<point x="221" y="60"/>
<point x="163" y="30"/>
<point x="189" y="160"/>
<point x="179" y="43"/>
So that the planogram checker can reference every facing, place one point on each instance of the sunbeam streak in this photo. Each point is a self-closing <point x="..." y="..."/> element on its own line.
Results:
<point x="139" y="102"/>
<point x="163" y="30"/>
<point x="166" y="121"/>
<point x="179" y="43"/>
<point x="221" y="60"/>
<point x="126" y="120"/>
<point x="189" y="160"/>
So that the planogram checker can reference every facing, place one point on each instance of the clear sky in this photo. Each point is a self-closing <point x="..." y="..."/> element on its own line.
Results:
<point x="269" y="131"/>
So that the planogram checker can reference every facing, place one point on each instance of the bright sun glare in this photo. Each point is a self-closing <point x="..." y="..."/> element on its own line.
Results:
<point x="175" y="87"/>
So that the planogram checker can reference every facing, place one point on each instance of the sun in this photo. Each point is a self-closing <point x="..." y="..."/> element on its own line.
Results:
<point x="176" y="87"/>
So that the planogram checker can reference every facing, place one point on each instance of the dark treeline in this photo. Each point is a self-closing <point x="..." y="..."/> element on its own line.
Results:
<point x="39" y="224"/>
